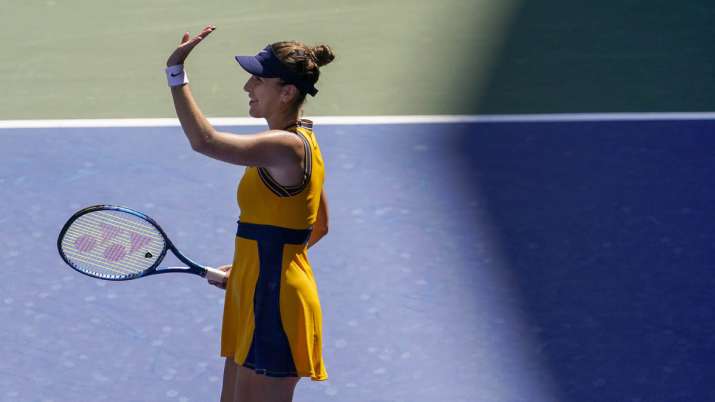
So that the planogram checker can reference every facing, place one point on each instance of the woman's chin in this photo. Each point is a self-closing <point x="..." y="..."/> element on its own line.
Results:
<point x="254" y="113"/>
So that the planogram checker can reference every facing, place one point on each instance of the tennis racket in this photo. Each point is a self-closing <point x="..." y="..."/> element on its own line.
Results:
<point x="117" y="243"/>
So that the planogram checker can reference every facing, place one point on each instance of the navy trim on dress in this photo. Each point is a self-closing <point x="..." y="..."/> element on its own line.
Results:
<point x="269" y="233"/>
<point x="289" y="191"/>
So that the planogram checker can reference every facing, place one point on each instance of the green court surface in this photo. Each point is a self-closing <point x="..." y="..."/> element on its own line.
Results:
<point x="102" y="59"/>
<point x="96" y="59"/>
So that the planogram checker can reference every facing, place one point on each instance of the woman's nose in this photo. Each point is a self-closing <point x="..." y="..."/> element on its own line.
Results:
<point x="249" y="84"/>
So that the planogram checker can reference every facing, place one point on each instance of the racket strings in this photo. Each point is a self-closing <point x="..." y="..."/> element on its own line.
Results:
<point x="99" y="266"/>
<point x="112" y="244"/>
<point x="112" y="259"/>
<point x="88" y="240"/>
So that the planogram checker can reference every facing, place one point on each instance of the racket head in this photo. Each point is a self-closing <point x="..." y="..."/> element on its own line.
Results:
<point x="112" y="243"/>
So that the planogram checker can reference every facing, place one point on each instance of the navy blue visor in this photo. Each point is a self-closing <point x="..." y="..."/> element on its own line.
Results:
<point x="265" y="64"/>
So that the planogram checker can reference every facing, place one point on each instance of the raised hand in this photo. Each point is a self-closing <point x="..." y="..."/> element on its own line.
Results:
<point x="187" y="45"/>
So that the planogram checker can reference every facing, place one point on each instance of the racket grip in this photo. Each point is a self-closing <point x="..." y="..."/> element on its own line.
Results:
<point x="215" y="275"/>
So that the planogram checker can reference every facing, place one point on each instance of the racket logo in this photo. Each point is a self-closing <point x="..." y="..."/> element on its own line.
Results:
<point x="114" y="251"/>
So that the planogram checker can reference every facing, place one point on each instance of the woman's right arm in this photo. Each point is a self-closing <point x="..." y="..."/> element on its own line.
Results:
<point x="274" y="148"/>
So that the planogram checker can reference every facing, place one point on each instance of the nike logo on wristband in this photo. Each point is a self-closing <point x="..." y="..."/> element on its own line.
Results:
<point x="177" y="74"/>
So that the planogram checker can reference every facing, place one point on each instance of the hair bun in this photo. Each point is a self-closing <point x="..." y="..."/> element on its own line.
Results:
<point x="323" y="54"/>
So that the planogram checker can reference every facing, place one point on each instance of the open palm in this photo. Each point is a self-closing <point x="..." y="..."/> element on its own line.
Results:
<point x="187" y="45"/>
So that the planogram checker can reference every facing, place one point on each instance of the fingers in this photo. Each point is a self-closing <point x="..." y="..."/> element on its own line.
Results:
<point x="187" y="40"/>
<point x="219" y="283"/>
<point x="203" y="34"/>
<point x="187" y="44"/>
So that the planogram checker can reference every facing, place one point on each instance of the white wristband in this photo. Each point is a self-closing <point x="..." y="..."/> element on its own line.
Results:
<point x="176" y="75"/>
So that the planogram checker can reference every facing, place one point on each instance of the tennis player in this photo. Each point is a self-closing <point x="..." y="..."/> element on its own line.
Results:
<point x="271" y="334"/>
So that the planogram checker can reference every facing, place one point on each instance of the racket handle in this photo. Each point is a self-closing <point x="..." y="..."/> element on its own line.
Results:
<point x="215" y="275"/>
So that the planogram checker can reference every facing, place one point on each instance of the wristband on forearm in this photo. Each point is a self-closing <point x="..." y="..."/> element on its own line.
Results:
<point x="176" y="75"/>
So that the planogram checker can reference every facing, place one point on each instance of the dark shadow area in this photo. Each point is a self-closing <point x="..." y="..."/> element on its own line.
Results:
<point x="612" y="56"/>
<point x="608" y="228"/>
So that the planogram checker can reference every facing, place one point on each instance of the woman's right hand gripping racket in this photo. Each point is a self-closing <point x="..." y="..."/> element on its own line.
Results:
<point x="117" y="243"/>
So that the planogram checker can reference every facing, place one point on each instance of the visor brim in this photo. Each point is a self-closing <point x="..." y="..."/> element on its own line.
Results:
<point x="251" y="65"/>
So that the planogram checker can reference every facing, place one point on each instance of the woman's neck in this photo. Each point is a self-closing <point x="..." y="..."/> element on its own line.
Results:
<point x="281" y="121"/>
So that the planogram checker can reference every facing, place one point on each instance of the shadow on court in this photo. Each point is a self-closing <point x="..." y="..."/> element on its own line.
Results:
<point x="607" y="232"/>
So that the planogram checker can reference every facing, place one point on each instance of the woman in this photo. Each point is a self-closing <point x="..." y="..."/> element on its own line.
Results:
<point x="271" y="333"/>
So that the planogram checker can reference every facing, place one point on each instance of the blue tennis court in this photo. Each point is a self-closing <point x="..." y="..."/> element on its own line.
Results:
<point x="484" y="261"/>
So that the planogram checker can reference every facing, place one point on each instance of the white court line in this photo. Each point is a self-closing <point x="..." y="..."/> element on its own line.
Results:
<point x="366" y="120"/>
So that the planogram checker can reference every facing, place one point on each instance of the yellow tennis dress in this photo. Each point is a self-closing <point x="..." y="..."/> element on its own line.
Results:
<point x="272" y="317"/>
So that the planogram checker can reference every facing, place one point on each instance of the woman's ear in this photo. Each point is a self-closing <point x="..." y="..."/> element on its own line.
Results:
<point x="289" y="93"/>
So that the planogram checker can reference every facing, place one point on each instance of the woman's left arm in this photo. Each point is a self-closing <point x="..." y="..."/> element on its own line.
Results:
<point x="320" y="227"/>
